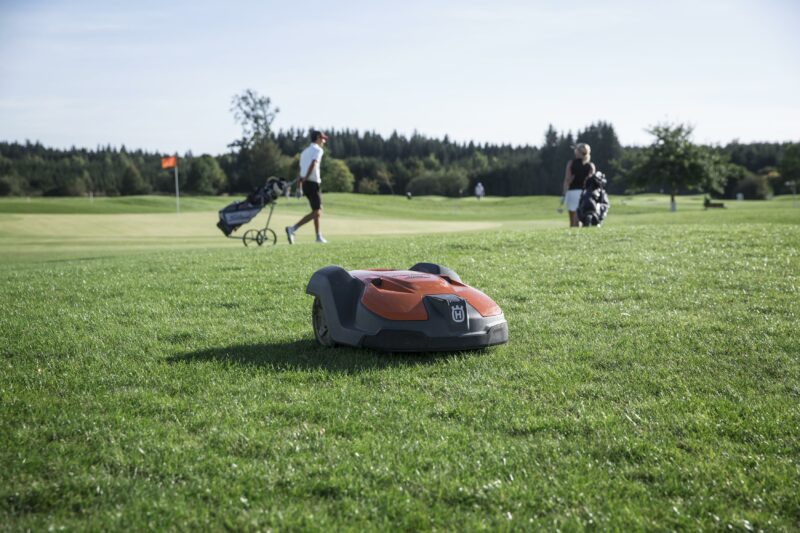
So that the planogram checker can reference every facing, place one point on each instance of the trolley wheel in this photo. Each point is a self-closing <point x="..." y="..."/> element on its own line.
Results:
<point x="252" y="236"/>
<point x="321" y="330"/>
<point x="268" y="237"/>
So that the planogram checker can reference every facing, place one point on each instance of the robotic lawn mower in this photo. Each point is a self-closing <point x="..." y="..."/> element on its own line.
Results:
<point x="423" y="309"/>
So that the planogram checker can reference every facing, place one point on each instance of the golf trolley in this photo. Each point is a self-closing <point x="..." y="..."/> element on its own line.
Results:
<point x="263" y="235"/>
<point x="234" y="215"/>
<point x="593" y="206"/>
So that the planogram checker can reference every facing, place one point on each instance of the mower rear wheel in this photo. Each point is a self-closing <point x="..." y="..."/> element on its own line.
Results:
<point x="321" y="330"/>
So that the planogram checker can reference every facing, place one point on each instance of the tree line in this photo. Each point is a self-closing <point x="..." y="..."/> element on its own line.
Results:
<point x="369" y="163"/>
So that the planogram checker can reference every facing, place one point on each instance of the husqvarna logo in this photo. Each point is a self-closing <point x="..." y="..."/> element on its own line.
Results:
<point x="457" y="312"/>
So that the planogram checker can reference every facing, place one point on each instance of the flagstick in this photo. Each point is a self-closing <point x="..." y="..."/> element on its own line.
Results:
<point x="177" y="192"/>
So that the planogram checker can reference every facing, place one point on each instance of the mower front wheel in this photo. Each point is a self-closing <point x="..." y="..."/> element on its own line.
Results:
<point x="321" y="330"/>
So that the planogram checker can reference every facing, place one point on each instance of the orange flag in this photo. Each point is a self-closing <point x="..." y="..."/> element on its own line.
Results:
<point x="169" y="162"/>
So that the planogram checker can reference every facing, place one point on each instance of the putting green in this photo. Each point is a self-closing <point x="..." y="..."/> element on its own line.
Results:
<point x="64" y="228"/>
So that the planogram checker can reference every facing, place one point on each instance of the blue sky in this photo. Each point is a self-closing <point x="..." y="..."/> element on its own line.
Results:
<point x="160" y="75"/>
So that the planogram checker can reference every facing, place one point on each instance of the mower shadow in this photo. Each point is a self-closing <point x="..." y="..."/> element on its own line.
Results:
<point x="308" y="355"/>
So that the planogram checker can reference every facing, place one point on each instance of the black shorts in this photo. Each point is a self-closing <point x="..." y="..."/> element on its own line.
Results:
<point x="311" y="190"/>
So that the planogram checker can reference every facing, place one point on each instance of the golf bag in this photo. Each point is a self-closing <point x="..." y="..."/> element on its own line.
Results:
<point x="241" y="212"/>
<point x="593" y="206"/>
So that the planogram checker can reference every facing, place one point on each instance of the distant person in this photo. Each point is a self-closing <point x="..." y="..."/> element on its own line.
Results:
<point x="309" y="182"/>
<point x="575" y="175"/>
<point x="479" y="190"/>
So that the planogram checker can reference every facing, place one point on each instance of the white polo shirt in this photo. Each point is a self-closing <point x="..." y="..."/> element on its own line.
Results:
<point x="312" y="153"/>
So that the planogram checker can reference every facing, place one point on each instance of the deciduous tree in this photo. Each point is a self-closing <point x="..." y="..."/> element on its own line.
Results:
<point x="336" y="177"/>
<point x="258" y="153"/>
<point x="675" y="163"/>
<point x="205" y="176"/>
<point x="789" y="166"/>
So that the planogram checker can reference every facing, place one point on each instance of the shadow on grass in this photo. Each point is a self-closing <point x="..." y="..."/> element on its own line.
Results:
<point x="308" y="355"/>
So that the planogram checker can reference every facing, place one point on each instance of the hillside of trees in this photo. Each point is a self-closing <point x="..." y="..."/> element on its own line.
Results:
<point x="367" y="162"/>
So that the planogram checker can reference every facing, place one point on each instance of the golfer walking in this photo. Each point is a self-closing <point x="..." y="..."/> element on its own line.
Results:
<point x="479" y="191"/>
<point x="575" y="175"/>
<point x="309" y="182"/>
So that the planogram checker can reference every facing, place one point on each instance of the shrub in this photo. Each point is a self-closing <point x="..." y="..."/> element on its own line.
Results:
<point x="754" y="187"/>
<point x="447" y="184"/>
<point x="368" y="186"/>
<point x="205" y="176"/>
<point x="336" y="176"/>
<point x="11" y="185"/>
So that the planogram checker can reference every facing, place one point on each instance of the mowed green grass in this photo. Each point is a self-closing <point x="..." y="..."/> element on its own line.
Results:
<point x="45" y="229"/>
<point x="158" y="376"/>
